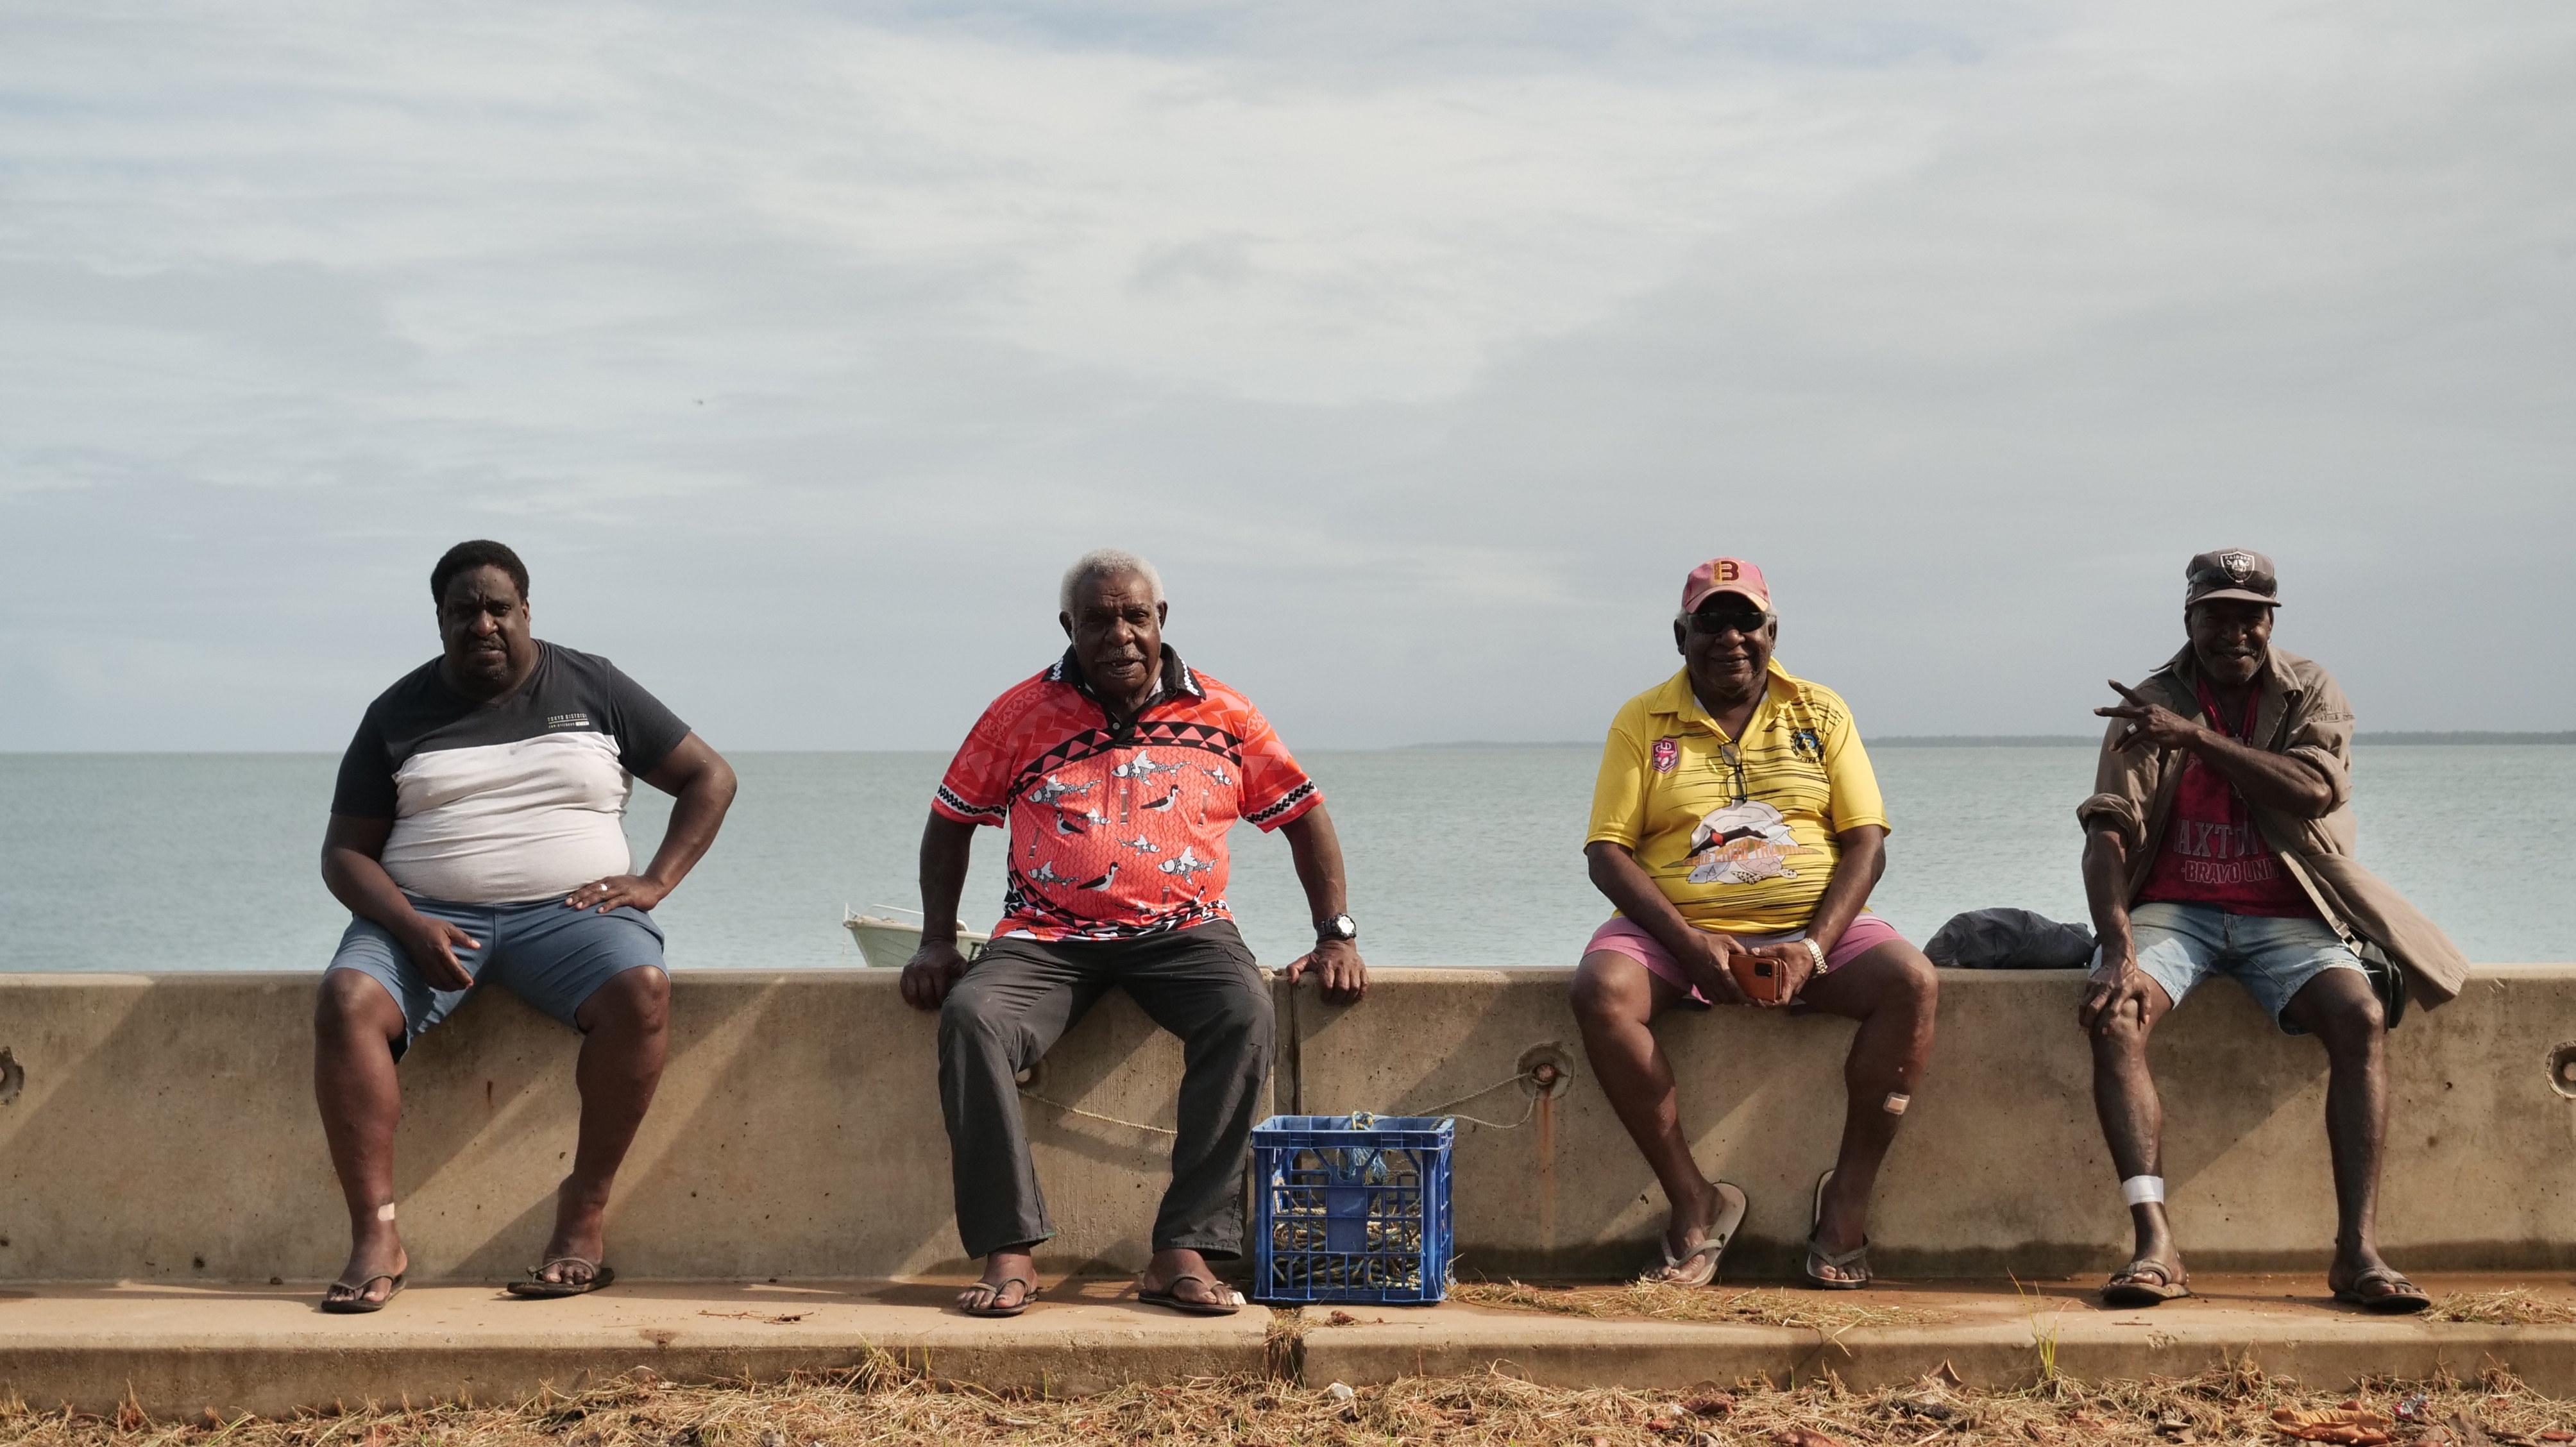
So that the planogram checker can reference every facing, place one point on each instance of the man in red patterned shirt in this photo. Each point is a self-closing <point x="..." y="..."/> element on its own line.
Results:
<point x="1116" y="773"/>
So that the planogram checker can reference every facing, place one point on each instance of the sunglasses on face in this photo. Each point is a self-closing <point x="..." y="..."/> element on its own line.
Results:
<point x="1733" y="620"/>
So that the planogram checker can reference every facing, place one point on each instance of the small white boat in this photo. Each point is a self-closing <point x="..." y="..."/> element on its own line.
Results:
<point x="889" y="944"/>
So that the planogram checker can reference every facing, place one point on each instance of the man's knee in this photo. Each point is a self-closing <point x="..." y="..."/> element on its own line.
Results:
<point x="975" y="1022"/>
<point x="2352" y="1020"/>
<point x="2122" y="1029"/>
<point x="1914" y="987"/>
<point x="354" y="1005"/>
<point x="638" y="999"/>
<point x="1239" y="1018"/>
<point x="1606" y="993"/>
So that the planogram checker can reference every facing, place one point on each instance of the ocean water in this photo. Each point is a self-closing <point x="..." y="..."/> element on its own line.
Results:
<point x="1457" y="856"/>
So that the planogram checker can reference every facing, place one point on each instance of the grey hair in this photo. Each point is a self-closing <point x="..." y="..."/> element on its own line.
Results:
<point x="1105" y="563"/>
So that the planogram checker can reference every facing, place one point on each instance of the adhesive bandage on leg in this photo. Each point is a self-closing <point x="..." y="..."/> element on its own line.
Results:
<point x="2139" y="1190"/>
<point x="1896" y="1102"/>
<point x="385" y="1212"/>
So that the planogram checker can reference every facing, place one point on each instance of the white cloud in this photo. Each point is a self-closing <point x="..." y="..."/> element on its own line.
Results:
<point x="1419" y="343"/>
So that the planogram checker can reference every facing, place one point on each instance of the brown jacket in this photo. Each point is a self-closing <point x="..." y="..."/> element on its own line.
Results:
<point x="2303" y="714"/>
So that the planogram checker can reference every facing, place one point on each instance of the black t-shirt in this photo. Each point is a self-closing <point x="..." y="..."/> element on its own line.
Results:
<point x="519" y="798"/>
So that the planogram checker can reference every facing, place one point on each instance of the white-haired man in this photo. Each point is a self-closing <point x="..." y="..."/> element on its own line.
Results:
<point x="1117" y="772"/>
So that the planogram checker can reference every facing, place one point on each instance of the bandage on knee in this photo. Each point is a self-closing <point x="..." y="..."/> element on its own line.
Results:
<point x="2140" y="1190"/>
<point x="1896" y="1102"/>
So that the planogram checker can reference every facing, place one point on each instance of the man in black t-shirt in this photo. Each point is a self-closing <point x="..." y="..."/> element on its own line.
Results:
<point x="477" y="837"/>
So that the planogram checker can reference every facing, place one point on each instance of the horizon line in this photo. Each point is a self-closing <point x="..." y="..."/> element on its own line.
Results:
<point x="2398" y="737"/>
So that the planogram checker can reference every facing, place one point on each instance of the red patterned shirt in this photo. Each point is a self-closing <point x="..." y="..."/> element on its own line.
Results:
<point x="1117" y="834"/>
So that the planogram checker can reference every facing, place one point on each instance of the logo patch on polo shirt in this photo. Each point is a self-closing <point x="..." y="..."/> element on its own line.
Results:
<point x="567" y="721"/>
<point x="1667" y="753"/>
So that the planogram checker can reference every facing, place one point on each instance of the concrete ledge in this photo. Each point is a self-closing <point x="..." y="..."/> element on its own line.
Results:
<point x="180" y="1351"/>
<point x="165" y="1131"/>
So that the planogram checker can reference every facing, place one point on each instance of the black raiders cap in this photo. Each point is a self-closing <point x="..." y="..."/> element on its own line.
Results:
<point x="2230" y="573"/>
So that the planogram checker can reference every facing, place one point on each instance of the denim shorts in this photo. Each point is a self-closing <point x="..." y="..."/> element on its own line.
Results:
<point x="2180" y="945"/>
<point x="547" y="953"/>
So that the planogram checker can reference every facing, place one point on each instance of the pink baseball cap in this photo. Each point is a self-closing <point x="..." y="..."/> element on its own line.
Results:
<point x="1725" y="575"/>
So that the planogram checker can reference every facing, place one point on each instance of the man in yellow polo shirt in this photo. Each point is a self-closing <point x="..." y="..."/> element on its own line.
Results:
<point x="1737" y="827"/>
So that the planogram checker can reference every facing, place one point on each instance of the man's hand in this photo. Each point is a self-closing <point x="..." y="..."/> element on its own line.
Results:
<point x="2151" y="722"/>
<point x="2117" y="987"/>
<point x="1338" y="965"/>
<point x="1793" y="963"/>
<point x="432" y="946"/>
<point x="933" y="971"/>
<point x="1709" y="966"/>
<point x="603" y="895"/>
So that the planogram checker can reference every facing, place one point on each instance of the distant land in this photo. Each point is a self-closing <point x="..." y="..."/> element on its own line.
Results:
<point x="2045" y="741"/>
<point x="2056" y="741"/>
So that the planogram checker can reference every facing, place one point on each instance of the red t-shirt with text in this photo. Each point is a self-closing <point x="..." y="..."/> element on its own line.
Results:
<point x="2213" y="853"/>
<point x="1118" y="835"/>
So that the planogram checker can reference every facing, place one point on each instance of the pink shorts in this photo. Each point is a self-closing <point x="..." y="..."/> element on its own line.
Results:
<point x="1621" y="935"/>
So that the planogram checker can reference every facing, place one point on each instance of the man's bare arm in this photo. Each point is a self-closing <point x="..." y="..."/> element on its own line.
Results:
<point x="1317" y="849"/>
<point x="1617" y="874"/>
<point x="703" y="782"/>
<point x="2118" y="981"/>
<point x="1863" y="862"/>
<point x="947" y="847"/>
<point x="2274" y="781"/>
<point x="353" y="870"/>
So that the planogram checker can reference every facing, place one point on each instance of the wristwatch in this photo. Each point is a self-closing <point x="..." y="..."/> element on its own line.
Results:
<point x="1336" y="927"/>
<point x="1817" y="953"/>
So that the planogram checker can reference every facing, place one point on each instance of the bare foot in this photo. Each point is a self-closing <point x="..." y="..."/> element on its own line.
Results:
<point x="1843" y="1226"/>
<point x="581" y="1233"/>
<point x="1184" y="1274"/>
<point x="1691" y="1221"/>
<point x="1010" y="1279"/>
<point x="375" y="1258"/>
<point x="2361" y="1278"/>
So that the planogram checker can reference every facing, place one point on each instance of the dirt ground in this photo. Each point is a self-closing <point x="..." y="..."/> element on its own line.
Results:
<point x="879" y="1403"/>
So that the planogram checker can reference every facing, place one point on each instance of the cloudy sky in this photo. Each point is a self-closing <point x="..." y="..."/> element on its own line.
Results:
<point x="1425" y="347"/>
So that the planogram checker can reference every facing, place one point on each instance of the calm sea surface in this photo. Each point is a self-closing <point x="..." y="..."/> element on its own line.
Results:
<point x="1457" y="856"/>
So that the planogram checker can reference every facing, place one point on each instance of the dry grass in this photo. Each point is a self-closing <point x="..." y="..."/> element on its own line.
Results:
<point x="1831" y="1314"/>
<point x="879" y="1403"/>
<point x="2519" y="1306"/>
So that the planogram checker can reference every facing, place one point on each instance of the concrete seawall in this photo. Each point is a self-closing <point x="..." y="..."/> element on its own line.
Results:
<point x="164" y="1131"/>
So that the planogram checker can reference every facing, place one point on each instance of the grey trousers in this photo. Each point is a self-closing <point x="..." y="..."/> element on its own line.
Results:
<point x="1019" y="998"/>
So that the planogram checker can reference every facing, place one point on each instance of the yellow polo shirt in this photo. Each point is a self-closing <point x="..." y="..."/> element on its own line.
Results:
<point x="1739" y="836"/>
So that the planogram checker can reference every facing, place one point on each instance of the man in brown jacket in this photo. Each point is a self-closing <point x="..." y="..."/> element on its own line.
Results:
<point x="2218" y="840"/>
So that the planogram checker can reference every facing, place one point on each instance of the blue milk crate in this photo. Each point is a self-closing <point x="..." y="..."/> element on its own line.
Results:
<point x="1351" y="1208"/>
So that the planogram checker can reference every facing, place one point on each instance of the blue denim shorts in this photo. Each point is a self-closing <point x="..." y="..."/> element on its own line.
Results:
<point x="2180" y="945"/>
<point x="547" y="953"/>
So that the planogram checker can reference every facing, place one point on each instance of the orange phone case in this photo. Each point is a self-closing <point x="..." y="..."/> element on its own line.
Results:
<point x="1758" y="977"/>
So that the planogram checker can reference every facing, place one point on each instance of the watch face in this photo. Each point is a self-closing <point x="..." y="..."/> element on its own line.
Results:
<point x="1339" y="927"/>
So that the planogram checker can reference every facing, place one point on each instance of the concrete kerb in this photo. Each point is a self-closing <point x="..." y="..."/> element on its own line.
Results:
<point x="177" y="1352"/>
<point x="1990" y="1339"/>
<point x="266" y="1350"/>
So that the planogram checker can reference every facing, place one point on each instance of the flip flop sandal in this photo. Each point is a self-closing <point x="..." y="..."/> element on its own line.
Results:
<point x="2402" y="1295"/>
<point x="1228" y="1305"/>
<point x="1831" y="1261"/>
<point x="356" y="1302"/>
<point x="2129" y="1288"/>
<point x="992" y="1304"/>
<point x="1699" y="1264"/>
<point x="537" y="1288"/>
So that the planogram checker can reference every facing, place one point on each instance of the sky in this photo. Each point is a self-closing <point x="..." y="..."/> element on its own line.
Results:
<point x="1425" y="348"/>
